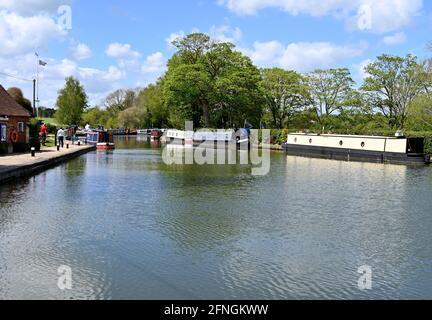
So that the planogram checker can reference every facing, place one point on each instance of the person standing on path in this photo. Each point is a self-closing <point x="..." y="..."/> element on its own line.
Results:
<point x="60" y="137"/>
<point x="44" y="133"/>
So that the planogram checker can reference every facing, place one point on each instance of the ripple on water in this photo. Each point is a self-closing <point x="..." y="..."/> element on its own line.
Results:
<point x="132" y="227"/>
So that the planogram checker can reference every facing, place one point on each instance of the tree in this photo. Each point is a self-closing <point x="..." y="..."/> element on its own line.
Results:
<point x="71" y="102"/>
<point x="210" y="83"/>
<point x="96" y="117"/>
<point x="420" y="114"/>
<point x="119" y="101"/>
<point x="331" y="90"/>
<point x="285" y="92"/>
<point x="18" y="96"/>
<point x="393" y="84"/>
<point x="151" y="106"/>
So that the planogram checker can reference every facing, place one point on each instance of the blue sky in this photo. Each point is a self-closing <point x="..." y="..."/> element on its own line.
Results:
<point x="119" y="44"/>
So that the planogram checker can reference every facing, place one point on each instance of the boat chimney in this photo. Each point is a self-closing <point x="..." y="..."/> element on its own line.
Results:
<point x="399" y="134"/>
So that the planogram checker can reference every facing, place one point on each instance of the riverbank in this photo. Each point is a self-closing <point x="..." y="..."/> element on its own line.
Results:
<point x="22" y="165"/>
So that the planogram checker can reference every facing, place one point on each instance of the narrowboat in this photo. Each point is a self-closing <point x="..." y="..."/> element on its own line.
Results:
<point x="156" y="135"/>
<point x="397" y="149"/>
<point x="214" y="138"/>
<point x="102" y="139"/>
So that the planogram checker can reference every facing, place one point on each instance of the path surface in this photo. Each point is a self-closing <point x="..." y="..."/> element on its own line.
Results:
<point x="15" y="166"/>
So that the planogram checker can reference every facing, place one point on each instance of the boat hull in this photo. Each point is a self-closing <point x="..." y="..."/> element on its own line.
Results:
<point x="355" y="155"/>
<point x="105" y="146"/>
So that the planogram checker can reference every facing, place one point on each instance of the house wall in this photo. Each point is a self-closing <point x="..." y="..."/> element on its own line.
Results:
<point x="12" y="124"/>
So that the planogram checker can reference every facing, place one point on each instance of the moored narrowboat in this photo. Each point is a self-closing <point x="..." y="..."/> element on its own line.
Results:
<point x="209" y="137"/>
<point x="156" y="135"/>
<point x="102" y="139"/>
<point x="398" y="149"/>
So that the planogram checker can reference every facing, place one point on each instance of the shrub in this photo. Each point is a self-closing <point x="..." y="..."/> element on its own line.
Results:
<point x="34" y="129"/>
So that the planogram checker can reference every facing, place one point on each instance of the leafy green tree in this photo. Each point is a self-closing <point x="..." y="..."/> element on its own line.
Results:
<point x="331" y="91"/>
<point x="393" y="84"/>
<point x="119" y="101"/>
<point x="71" y="102"/>
<point x="151" y="106"/>
<point x="18" y="96"/>
<point x="420" y="114"/>
<point x="210" y="83"/>
<point x="96" y="117"/>
<point x="286" y="93"/>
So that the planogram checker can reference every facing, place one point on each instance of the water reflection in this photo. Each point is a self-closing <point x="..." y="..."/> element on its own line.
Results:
<point x="132" y="227"/>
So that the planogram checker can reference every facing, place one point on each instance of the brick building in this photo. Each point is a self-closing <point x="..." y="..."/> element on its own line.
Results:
<point x="14" y="120"/>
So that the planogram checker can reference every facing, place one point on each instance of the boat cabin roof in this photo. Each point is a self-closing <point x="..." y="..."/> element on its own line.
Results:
<point x="345" y="136"/>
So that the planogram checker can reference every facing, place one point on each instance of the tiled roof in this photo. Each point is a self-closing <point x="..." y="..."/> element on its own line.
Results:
<point x="9" y="107"/>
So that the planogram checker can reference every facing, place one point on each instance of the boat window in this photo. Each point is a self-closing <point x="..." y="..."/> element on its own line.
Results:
<point x="363" y="144"/>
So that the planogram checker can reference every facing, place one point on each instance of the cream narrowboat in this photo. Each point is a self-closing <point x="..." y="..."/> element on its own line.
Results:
<point x="398" y="149"/>
<point x="207" y="137"/>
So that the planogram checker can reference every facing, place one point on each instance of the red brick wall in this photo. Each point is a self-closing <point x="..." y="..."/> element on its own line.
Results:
<point x="12" y="124"/>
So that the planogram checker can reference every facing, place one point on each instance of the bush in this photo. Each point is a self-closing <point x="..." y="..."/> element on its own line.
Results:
<point x="4" y="148"/>
<point x="34" y="129"/>
<point x="20" y="147"/>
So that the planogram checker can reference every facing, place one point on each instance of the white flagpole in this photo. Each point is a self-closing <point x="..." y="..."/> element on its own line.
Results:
<point x="37" y="84"/>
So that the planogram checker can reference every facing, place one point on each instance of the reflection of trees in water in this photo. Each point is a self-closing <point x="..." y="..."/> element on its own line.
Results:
<point x="11" y="194"/>
<point x="199" y="208"/>
<point x="135" y="142"/>
<point x="76" y="167"/>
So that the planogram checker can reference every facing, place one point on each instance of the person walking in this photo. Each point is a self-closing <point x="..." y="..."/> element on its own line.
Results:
<point x="44" y="133"/>
<point x="60" y="137"/>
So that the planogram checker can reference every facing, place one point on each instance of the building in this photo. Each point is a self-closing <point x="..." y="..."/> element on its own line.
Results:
<point x="14" y="120"/>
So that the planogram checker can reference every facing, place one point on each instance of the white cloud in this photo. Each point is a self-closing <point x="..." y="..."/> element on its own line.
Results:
<point x="174" y="36"/>
<point x="265" y="54"/>
<point x="302" y="56"/>
<point x="21" y="34"/>
<point x="81" y="52"/>
<point x="32" y="7"/>
<point x="395" y="39"/>
<point x="359" y="70"/>
<point x="225" y="33"/>
<point x="126" y="57"/>
<point x="122" y="51"/>
<point x="154" y="63"/>
<point x="378" y="16"/>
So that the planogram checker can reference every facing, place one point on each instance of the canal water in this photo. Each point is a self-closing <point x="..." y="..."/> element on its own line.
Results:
<point x="131" y="227"/>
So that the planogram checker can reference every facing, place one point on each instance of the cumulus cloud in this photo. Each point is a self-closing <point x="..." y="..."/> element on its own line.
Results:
<point x="225" y="33"/>
<point x="359" y="70"/>
<point x="395" y="39"/>
<point x="32" y="7"/>
<point x="302" y="56"/>
<point x="21" y="34"/>
<point x="173" y="37"/>
<point x="81" y="52"/>
<point x="154" y="63"/>
<point x="366" y="15"/>
<point x="126" y="57"/>
<point x="122" y="51"/>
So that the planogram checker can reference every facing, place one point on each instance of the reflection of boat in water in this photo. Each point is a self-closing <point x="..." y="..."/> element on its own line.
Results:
<point x="398" y="149"/>
<point x="214" y="138"/>
<point x="102" y="139"/>
<point x="156" y="135"/>
<point x="142" y="132"/>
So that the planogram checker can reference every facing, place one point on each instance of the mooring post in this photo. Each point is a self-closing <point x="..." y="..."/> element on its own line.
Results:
<point x="58" y="147"/>
<point x="33" y="152"/>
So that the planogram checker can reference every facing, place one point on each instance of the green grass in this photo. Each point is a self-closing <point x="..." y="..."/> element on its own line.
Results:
<point x="52" y="121"/>
<point x="51" y="141"/>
